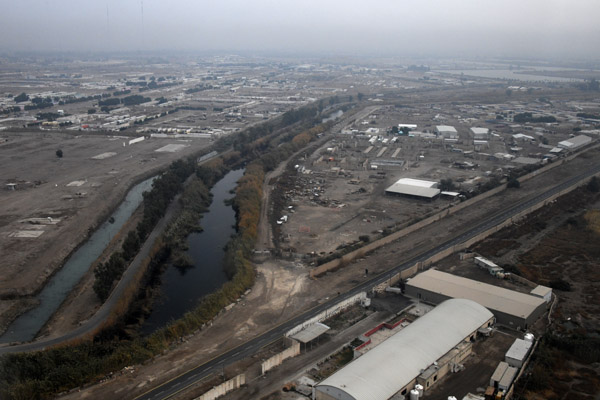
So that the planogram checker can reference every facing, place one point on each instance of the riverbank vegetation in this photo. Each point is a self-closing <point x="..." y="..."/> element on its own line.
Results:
<point x="42" y="374"/>
<point x="156" y="201"/>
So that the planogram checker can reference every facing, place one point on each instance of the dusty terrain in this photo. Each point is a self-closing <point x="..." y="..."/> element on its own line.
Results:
<point x="62" y="200"/>
<point x="283" y="288"/>
<point x="335" y="194"/>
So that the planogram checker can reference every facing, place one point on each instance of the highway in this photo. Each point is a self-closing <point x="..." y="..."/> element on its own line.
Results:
<point x="183" y="381"/>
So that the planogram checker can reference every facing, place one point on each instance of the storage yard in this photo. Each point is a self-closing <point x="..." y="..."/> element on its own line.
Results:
<point x="347" y="189"/>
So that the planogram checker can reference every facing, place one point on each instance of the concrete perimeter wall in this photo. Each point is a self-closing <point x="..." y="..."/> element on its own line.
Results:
<point x="278" y="358"/>
<point x="224" y="388"/>
<point x="340" y="262"/>
<point x="336" y="309"/>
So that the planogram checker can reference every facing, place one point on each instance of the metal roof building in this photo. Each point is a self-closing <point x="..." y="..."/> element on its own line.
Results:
<point x="511" y="308"/>
<point x="394" y="365"/>
<point x="480" y="133"/>
<point x="446" y="131"/>
<point x="575" y="143"/>
<point x="516" y="355"/>
<point x="414" y="188"/>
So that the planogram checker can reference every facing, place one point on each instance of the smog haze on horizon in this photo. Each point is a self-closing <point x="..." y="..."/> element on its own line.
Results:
<point x="512" y="28"/>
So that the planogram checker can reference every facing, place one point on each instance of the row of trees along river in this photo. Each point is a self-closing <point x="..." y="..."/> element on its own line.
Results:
<point x="121" y="343"/>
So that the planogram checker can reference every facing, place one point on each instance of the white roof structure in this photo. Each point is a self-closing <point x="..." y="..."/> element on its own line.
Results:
<point x="310" y="333"/>
<point x="575" y="142"/>
<point x="541" y="291"/>
<point x="521" y="136"/>
<point x="490" y="296"/>
<point x="414" y="187"/>
<point x="519" y="350"/>
<point x="386" y="369"/>
<point x="480" y="131"/>
<point x="417" y="182"/>
<point x="445" y="128"/>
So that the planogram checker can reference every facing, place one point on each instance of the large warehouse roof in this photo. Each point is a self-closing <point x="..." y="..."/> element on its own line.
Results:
<point x="414" y="187"/>
<point x="575" y="142"/>
<point x="490" y="296"/>
<point x="386" y="369"/>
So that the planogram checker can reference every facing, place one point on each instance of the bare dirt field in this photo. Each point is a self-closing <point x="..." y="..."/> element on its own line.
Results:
<point x="59" y="201"/>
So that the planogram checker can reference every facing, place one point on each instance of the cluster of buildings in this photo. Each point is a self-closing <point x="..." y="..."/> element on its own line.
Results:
<point x="421" y="353"/>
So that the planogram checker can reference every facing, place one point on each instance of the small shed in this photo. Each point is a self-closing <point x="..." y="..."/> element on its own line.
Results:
<point x="543" y="292"/>
<point x="498" y="374"/>
<point x="480" y="133"/>
<point x="310" y="333"/>
<point x="518" y="352"/>
<point x="507" y="379"/>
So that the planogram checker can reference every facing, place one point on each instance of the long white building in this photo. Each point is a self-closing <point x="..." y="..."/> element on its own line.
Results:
<point x="421" y="353"/>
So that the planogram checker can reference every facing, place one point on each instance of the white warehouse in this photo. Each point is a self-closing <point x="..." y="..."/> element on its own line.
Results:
<point x="414" y="188"/>
<point x="421" y="353"/>
<point x="446" y="131"/>
<point x="480" y="133"/>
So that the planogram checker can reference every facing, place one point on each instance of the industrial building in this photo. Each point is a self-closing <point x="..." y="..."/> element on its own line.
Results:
<point x="575" y="142"/>
<point x="421" y="353"/>
<point x="511" y="308"/>
<point x="480" y="133"/>
<point x="414" y="188"/>
<point x="446" y="131"/>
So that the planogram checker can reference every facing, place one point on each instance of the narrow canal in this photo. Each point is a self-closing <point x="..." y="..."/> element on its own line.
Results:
<point x="26" y="326"/>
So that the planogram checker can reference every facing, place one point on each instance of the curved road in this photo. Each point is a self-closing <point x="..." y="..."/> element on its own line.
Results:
<point x="183" y="381"/>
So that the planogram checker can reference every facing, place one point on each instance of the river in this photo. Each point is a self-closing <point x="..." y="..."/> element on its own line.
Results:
<point x="27" y="325"/>
<point x="181" y="289"/>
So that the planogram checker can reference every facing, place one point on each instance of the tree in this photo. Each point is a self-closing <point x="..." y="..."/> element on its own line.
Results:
<point x="21" y="97"/>
<point x="513" y="183"/>
<point x="91" y="111"/>
<point x="395" y="129"/>
<point x="360" y="96"/>
<point x="59" y="153"/>
<point x="447" y="185"/>
<point x="594" y="185"/>
<point x="131" y="245"/>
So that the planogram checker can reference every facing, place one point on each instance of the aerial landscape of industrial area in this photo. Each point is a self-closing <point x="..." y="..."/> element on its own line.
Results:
<point x="238" y="225"/>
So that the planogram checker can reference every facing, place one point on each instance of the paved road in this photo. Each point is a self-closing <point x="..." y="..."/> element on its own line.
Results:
<point x="182" y="382"/>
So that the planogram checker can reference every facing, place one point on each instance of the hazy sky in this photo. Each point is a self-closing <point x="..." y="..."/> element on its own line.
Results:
<point x="352" y="27"/>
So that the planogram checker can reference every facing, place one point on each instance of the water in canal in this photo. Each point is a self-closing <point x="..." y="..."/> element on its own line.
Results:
<point x="182" y="289"/>
<point x="26" y="326"/>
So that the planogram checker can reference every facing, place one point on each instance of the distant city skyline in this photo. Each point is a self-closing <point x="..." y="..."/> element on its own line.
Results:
<point x="534" y="28"/>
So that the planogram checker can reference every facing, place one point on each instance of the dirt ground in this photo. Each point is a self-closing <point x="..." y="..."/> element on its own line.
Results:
<point x="283" y="288"/>
<point x="479" y="367"/>
<point x="76" y="191"/>
<point x="333" y="195"/>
